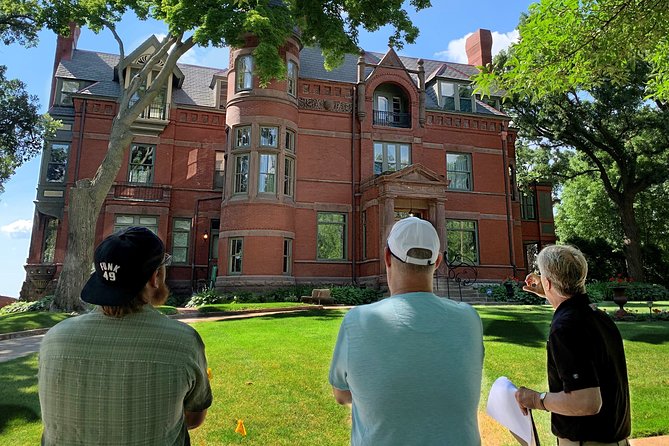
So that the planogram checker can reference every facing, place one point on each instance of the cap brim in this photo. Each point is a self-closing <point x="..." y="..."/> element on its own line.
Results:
<point x="98" y="292"/>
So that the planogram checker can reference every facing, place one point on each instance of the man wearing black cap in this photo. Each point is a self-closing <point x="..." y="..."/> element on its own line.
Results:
<point x="123" y="374"/>
<point x="410" y="365"/>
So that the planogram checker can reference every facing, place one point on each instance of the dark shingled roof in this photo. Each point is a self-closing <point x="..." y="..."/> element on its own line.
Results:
<point x="98" y="68"/>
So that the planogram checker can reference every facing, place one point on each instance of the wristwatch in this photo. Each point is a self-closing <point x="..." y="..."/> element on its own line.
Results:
<point x="542" y="397"/>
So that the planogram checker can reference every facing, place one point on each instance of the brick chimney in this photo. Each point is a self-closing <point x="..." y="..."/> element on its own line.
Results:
<point x="479" y="47"/>
<point x="65" y="46"/>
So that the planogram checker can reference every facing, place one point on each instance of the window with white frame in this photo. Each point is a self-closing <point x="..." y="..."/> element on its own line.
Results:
<point x="459" y="170"/>
<point x="125" y="221"/>
<point x="456" y="96"/>
<point x="528" y="208"/>
<point x="67" y="87"/>
<point x="235" y="255"/>
<point x="291" y="78"/>
<point x="140" y="168"/>
<point x="269" y="136"/>
<point x="241" y="174"/>
<point x="462" y="239"/>
<point x="244" y="73"/>
<point x="287" y="255"/>
<point x="222" y="93"/>
<point x="219" y="170"/>
<point x="57" y="164"/>
<point x="242" y="137"/>
<point x="331" y="236"/>
<point x="158" y="107"/>
<point x="180" y="239"/>
<point x="267" y="173"/>
<point x="289" y="177"/>
<point x="390" y="156"/>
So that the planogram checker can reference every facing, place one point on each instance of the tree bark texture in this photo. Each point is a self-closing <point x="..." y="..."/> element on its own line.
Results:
<point x="631" y="242"/>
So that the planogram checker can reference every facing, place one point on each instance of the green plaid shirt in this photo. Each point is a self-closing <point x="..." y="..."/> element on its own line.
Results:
<point x="121" y="381"/>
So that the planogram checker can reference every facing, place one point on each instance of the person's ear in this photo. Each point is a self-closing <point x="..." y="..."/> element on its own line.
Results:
<point x="438" y="261"/>
<point x="387" y="257"/>
<point x="154" y="281"/>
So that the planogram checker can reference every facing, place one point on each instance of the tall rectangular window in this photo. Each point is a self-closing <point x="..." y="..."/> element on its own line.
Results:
<point x="241" y="174"/>
<point x="267" y="174"/>
<point x="465" y="96"/>
<point x="331" y="236"/>
<point x="462" y="237"/>
<point x="235" y="256"/>
<point x="49" y="244"/>
<point x="244" y="73"/>
<point x="290" y="141"/>
<point x="528" y="208"/>
<point x="287" y="255"/>
<point x="125" y="221"/>
<point x="390" y="157"/>
<point x="459" y="170"/>
<point x="292" y="78"/>
<point x="222" y="94"/>
<point x="141" y="163"/>
<point x="55" y="169"/>
<point x="289" y="177"/>
<point x="219" y="170"/>
<point x="447" y="95"/>
<point x="269" y="136"/>
<point x="180" y="239"/>
<point x="242" y="137"/>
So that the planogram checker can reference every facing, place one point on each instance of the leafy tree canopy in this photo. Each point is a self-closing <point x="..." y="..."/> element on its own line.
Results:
<point x="332" y="24"/>
<point x="579" y="44"/>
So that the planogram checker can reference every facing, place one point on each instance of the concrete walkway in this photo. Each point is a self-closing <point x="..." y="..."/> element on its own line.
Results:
<point x="19" y="346"/>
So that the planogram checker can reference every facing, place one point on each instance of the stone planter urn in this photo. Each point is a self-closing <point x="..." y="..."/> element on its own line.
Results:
<point x="619" y="296"/>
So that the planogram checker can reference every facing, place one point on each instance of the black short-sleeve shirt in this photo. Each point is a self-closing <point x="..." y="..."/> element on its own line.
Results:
<point x="585" y="350"/>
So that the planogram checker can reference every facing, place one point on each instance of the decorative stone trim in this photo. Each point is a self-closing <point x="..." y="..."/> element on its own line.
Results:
<point x="324" y="105"/>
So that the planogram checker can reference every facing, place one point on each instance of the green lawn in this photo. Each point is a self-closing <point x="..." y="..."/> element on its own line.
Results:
<point x="271" y="371"/>
<point x="29" y="321"/>
<point x="211" y="308"/>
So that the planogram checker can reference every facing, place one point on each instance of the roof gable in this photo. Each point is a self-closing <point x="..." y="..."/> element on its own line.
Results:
<point x="142" y="54"/>
<point x="391" y="59"/>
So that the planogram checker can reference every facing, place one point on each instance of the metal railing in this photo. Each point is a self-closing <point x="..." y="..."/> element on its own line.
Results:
<point x="137" y="191"/>
<point x="392" y="119"/>
<point x="458" y="274"/>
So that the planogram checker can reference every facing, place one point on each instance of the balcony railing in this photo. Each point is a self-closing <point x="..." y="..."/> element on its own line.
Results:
<point x="154" y="111"/>
<point x="392" y="119"/>
<point x="138" y="191"/>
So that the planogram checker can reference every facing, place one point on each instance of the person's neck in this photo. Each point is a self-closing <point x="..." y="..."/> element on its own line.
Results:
<point x="410" y="288"/>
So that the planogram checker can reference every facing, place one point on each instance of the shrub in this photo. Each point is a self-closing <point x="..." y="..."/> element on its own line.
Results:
<point x="635" y="291"/>
<point x="352" y="295"/>
<point x="206" y="296"/>
<point x="25" y="306"/>
<point x="179" y="300"/>
<point x="511" y="290"/>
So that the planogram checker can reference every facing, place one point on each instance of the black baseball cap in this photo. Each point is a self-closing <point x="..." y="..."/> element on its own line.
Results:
<point x="124" y="262"/>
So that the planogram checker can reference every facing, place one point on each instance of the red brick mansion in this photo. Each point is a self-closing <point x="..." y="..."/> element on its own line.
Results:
<point x="298" y="182"/>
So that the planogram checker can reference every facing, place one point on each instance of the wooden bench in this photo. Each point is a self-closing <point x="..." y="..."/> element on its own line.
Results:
<point x="320" y="296"/>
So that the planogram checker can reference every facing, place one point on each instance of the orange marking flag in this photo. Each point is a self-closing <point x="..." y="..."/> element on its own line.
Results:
<point x="240" y="429"/>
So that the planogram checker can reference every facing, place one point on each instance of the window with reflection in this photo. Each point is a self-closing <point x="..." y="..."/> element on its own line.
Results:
<point x="141" y="163"/>
<point x="57" y="164"/>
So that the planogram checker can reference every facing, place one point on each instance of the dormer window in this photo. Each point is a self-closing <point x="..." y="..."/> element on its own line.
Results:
<point x="222" y="98"/>
<point x="244" y="73"/>
<point x="292" y="78"/>
<point x="67" y="87"/>
<point x="456" y="96"/>
<point x="158" y="107"/>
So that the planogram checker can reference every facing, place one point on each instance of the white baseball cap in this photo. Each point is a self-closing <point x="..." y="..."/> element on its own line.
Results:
<point x="412" y="232"/>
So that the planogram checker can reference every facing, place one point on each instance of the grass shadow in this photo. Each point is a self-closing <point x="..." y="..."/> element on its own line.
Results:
<point x="321" y="315"/>
<point x="18" y="393"/>
<point x="656" y="333"/>
<point x="517" y="332"/>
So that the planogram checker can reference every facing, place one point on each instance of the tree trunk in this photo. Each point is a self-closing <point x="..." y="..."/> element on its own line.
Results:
<point x="82" y="218"/>
<point x="631" y="242"/>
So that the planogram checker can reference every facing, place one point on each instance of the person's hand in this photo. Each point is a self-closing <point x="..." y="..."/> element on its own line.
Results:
<point x="526" y="399"/>
<point x="533" y="285"/>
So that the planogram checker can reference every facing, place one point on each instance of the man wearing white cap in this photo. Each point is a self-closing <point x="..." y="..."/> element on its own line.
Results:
<point x="410" y="365"/>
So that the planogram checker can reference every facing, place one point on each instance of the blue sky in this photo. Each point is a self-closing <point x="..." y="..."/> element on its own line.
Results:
<point x="443" y="29"/>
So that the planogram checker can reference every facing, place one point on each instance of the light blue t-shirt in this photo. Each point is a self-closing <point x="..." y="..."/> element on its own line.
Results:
<point x="413" y="364"/>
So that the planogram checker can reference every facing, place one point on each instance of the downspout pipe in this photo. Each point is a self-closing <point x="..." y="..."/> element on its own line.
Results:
<point x="354" y="244"/>
<point x="509" y="228"/>
<point x="80" y="142"/>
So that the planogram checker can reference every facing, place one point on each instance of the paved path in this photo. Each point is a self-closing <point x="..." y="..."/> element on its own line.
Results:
<point x="18" y="347"/>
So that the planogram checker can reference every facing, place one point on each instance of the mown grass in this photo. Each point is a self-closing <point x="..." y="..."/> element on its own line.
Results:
<point x="271" y="371"/>
<point x="241" y="306"/>
<point x="29" y="320"/>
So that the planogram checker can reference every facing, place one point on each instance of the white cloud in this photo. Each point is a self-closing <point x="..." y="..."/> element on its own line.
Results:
<point x="18" y="229"/>
<point x="455" y="51"/>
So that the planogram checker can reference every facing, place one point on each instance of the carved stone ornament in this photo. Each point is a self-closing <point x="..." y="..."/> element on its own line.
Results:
<point x="325" y="105"/>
